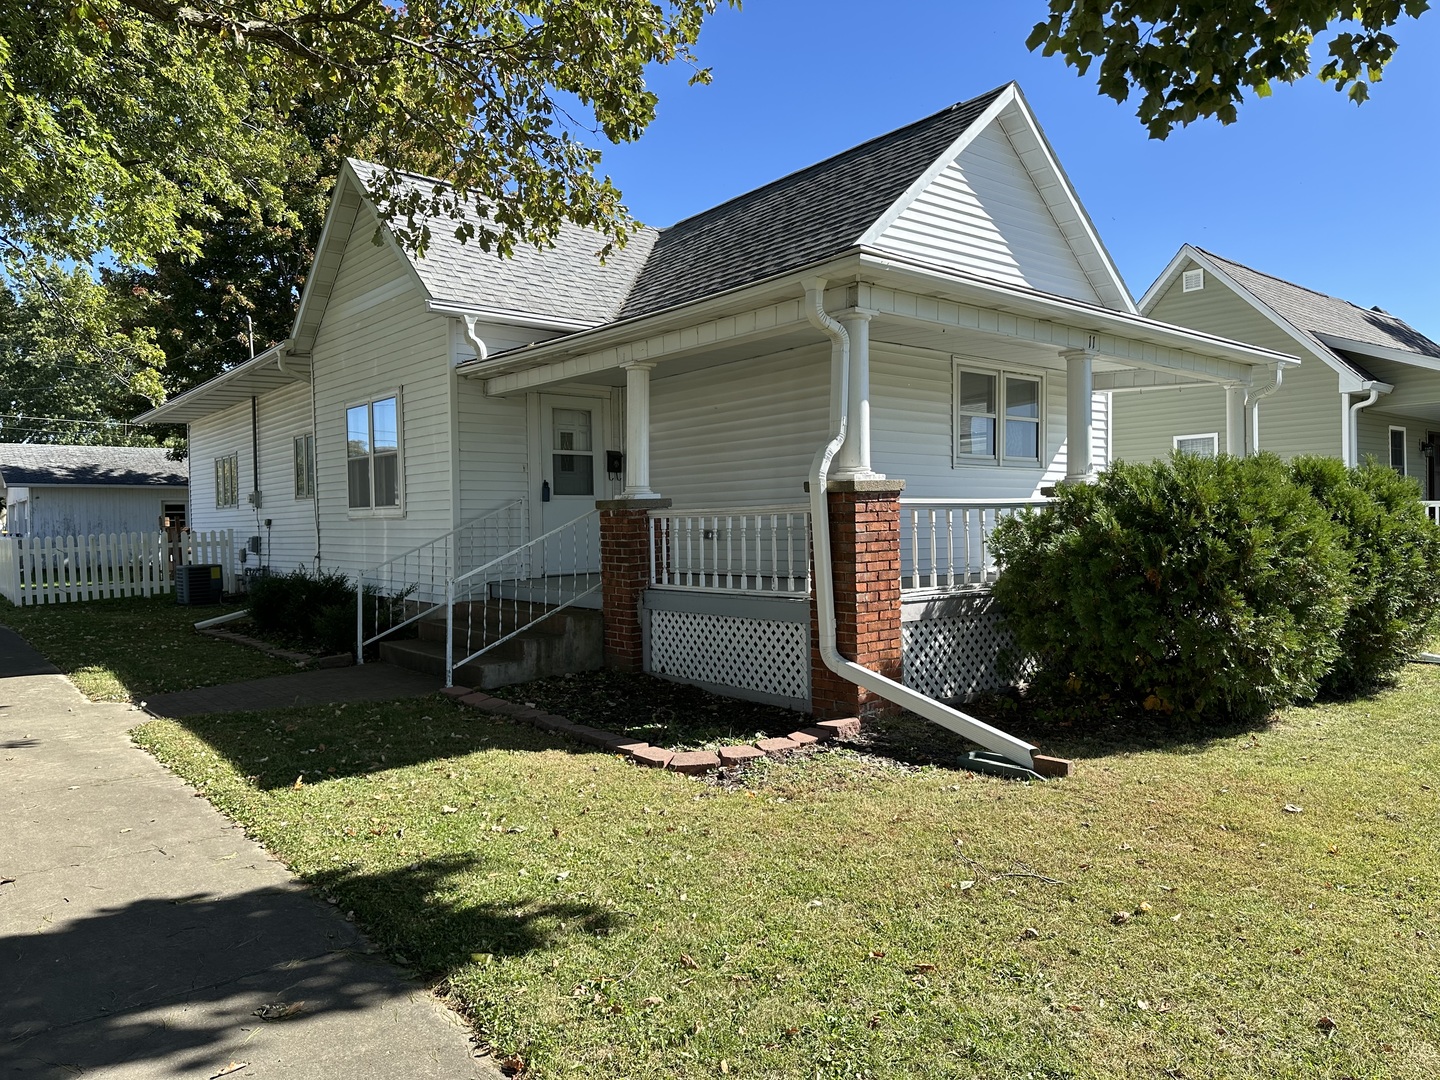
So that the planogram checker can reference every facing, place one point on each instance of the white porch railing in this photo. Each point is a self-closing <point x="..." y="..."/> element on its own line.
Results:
<point x="73" y="569"/>
<point x="945" y="543"/>
<point x="1432" y="510"/>
<point x="413" y="583"/>
<point x="747" y="549"/>
<point x="500" y="599"/>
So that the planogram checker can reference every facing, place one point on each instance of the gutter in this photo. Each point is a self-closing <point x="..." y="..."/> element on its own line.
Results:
<point x="1011" y="749"/>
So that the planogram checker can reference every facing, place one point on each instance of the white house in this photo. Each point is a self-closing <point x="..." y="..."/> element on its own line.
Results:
<point x="932" y="310"/>
<point x="60" y="491"/>
<point x="1369" y="385"/>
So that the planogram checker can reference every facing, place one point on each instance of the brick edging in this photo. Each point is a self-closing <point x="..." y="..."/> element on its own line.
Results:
<point x="688" y="762"/>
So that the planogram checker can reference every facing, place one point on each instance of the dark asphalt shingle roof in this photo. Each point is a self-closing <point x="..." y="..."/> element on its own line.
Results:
<point x="808" y="216"/>
<point x="1316" y="313"/>
<point x="566" y="281"/>
<point x="33" y="464"/>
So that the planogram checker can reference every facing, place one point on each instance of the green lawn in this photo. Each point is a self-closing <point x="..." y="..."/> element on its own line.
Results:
<point x="1161" y="914"/>
<point x="124" y="649"/>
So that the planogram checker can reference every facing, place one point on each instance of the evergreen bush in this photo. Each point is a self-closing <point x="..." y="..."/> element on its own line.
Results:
<point x="1394" y="567"/>
<point x="1202" y="587"/>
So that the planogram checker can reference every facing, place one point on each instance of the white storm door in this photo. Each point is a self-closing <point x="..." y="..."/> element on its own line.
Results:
<point x="570" y="468"/>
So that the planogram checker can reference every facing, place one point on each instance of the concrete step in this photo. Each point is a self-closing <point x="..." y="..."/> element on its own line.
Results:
<point x="568" y="641"/>
<point x="482" y="621"/>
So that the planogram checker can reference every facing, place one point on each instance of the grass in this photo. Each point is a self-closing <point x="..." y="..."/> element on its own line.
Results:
<point x="125" y="649"/>
<point x="1162" y="914"/>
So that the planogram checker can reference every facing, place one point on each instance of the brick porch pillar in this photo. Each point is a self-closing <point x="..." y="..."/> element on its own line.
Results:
<point x="624" y="575"/>
<point x="865" y="552"/>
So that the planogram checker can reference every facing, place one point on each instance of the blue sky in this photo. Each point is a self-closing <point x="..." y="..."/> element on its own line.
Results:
<point x="1305" y="185"/>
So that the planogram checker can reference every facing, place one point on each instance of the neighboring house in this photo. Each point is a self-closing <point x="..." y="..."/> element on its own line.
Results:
<point x="983" y="318"/>
<point x="1368" y="384"/>
<point x="59" y="491"/>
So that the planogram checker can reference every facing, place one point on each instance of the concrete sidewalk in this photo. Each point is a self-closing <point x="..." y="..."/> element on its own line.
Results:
<point x="142" y="930"/>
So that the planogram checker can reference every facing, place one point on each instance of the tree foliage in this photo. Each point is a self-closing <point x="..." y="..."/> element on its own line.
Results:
<point x="1188" y="59"/>
<point x="129" y="123"/>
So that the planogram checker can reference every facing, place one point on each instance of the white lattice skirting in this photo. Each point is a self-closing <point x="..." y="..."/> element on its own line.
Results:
<point x="764" y="656"/>
<point x="958" y="653"/>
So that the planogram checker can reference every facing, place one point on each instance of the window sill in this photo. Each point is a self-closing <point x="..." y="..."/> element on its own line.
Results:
<point x="387" y="512"/>
<point x="991" y="463"/>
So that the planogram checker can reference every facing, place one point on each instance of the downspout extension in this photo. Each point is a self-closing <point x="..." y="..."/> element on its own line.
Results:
<point x="992" y="739"/>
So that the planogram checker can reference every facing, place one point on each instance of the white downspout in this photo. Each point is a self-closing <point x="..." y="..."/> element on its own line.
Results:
<point x="1345" y="428"/>
<point x="1253" y="397"/>
<point x="1353" y="426"/>
<point x="962" y="724"/>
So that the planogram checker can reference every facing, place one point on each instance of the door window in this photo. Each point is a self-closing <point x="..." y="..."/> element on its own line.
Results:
<point x="573" y="457"/>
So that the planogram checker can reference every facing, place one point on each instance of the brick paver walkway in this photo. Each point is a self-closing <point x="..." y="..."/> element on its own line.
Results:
<point x="371" y="682"/>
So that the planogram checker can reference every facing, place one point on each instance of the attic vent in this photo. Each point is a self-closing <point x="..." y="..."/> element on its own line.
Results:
<point x="1193" y="281"/>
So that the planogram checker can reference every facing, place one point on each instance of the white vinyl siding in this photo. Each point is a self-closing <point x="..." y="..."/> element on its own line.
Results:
<point x="741" y="434"/>
<point x="1376" y="430"/>
<point x="377" y="339"/>
<point x="911" y="419"/>
<point x="984" y="214"/>
<point x="282" y="415"/>
<point x="88" y="511"/>
<point x="491" y="433"/>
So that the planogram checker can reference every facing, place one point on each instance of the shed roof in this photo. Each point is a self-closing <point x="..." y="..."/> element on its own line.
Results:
<point x="44" y="464"/>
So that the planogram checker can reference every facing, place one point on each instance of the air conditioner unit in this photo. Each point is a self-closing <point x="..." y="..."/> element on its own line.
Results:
<point x="203" y="583"/>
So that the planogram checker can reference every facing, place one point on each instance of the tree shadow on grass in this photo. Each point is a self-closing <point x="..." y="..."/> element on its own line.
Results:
<point x="317" y="743"/>
<point x="174" y="981"/>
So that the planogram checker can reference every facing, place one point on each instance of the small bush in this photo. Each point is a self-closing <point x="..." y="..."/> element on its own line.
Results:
<point x="1394" y="563"/>
<point x="1204" y="587"/>
<point x="306" y="608"/>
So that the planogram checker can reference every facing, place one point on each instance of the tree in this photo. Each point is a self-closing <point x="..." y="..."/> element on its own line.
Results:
<point x="1197" y="58"/>
<point x="68" y="372"/>
<point x="127" y="122"/>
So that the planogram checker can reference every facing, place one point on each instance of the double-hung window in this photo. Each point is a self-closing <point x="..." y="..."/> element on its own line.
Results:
<point x="1204" y="445"/>
<point x="373" y="454"/>
<point x="998" y="416"/>
<point x="305" y="466"/>
<point x="227" y="481"/>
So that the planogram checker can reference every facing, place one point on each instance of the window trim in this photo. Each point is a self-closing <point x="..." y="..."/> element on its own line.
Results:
<point x="373" y="511"/>
<point x="1213" y="436"/>
<point x="233" y="459"/>
<point x="305" y="482"/>
<point x="1404" y="469"/>
<point x="1000" y="372"/>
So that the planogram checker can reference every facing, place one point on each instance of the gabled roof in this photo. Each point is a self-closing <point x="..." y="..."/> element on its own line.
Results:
<point x="803" y="218"/>
<point x="43" y="464"/>
<point x="1339" y="332"/>
<point x="565" y="281"/>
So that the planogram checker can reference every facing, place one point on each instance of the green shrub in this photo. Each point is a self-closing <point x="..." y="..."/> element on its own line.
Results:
<point x="1394" y="556"/>
<point x="1205" y="587"/>
<point x="305" y="608"/>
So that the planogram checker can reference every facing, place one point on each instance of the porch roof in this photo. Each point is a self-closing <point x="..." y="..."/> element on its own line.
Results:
<point x="770" y="315"/>
<point x="265" y="372"/>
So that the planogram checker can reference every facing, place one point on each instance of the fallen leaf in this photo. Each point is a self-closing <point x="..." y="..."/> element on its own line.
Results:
<point x="725" y="1066"/>
<point x="449" y="809"/>
<point x="233" y="1067"/>
<point x="512" y="1066"/>
<point x="1291" y="808"/>
<point x="1144" y="906"/>
<point x="877" y="954"/>
<point x="299" y="782"/>
<point x="280" y="1010"/>
<point x="1325" y="1024"/>
<point x="1143" y="1006"/>
<point x="688" y="961"/>
<point x="920" y="969"/>
<point x="1029" y="933"/>
<point x="7" y="881"/>
<point x="1120" y="918"/>
<point x="966" y="886"/>
<point x="651" y="1002"/>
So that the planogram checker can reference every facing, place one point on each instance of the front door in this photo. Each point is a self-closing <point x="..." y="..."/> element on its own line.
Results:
<point x="571" y="438"/>
<point x="1432" y="481"/>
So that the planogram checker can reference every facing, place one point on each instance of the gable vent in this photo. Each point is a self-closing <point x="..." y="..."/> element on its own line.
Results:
<point x="1193" y="281"/>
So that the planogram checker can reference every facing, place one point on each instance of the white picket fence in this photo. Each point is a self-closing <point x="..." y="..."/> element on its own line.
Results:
<point x="72" y="569"/>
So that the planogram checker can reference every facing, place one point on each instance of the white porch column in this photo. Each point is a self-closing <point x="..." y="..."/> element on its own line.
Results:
<point x="637" y="431"/>
<point x="852" y="462"/>
<point x="1079" y="390"/>
<point x="1235" y="420"/>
